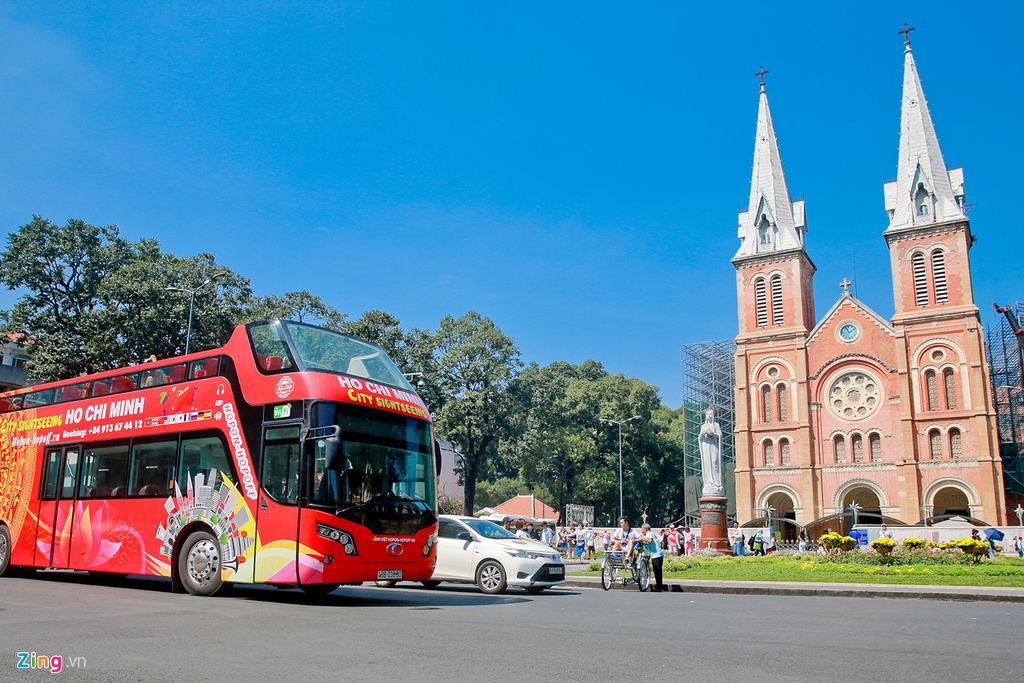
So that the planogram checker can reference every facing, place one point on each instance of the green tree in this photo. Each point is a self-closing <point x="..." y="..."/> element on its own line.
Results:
<point x="94" y="301"/>
<point x="472" y="366"/>
<point x="301" y="306"/>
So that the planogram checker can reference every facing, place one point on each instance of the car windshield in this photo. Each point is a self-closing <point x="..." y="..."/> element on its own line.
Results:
<point x="385" y="469"/>
<point x="487" y="529"/>
<point x="320" y="349"/>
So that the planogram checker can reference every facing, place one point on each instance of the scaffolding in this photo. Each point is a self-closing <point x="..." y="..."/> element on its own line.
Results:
<point x="709" y="381"/>
<point x="1006" y="370"/>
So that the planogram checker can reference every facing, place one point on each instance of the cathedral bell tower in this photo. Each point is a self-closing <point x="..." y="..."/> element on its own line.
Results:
<point x="776" y="310"/>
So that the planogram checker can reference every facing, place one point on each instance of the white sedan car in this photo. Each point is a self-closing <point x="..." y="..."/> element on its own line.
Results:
<point x="477" y="551"/>
<point x="471" y="550"/>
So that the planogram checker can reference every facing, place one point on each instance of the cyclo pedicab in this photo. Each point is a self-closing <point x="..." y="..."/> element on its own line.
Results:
<point x="636" y="569"/>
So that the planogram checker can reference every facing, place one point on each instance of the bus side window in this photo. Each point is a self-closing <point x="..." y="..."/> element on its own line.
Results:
<point x="280" y="472"/>
<point x="152" y="469"/>
<point x="104" y="471"/>
<point x="271" y="353"/>
<point x="153" y="378"/>
<point x="124" y="383"/>
<point x="67" y="489"/>
<point x="51" y="474"/>
<point x="202" y="368"/>
<point x="200" y="455"/>
<point x="35" y="399"/>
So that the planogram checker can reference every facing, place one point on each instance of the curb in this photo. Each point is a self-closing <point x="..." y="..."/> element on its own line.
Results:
<point x="948" y="594"/>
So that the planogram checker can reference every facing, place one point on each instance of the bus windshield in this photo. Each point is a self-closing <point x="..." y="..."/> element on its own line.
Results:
<point x="320" y="349"/>
<point x="385" y="478"/>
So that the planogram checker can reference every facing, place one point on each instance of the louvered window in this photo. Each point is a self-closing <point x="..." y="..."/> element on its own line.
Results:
<point x="766" y="402"/>
<point x="876" y="447"/>
<point x="956" y="448"/>
<point x="784" y="452"/>
<point x="920" y="280"/>
<point x="950" y="384"/>
<point x="840" y="449"/>
<point x="931" y="390"/>
<point x="783" y="403"/>
<point x="769" y="454"/>
<point x="935" y="444"/>
<point x="857" y="443"/>
<point x="939" y="276"/>
<point x="776" y="300"/>
<point x="761" y="300"/>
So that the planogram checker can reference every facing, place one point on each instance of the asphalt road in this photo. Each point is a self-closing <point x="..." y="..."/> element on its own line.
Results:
<point x="139" y="631"/>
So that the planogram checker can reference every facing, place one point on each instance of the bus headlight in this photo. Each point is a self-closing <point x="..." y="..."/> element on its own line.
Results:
<point x="338" y="536"/>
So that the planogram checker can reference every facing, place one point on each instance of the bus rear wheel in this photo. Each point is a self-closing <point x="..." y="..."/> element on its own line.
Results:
<point x="199" y="564"/>
<point x="5" y="551"/>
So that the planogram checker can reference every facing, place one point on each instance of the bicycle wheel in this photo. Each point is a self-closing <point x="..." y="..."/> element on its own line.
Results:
<point x="606" y="575"/>
<point x="643" y="574"/>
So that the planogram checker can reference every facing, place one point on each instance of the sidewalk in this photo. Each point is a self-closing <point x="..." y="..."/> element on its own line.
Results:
<point x="834" y="590"/>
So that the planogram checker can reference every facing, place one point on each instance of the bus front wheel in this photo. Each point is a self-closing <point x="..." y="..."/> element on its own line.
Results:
<point x="5" y="550"/>
<point x="199" y="564"/>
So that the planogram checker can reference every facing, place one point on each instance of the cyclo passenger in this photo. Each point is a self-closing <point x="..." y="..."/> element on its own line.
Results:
<point x="624" y="536"/>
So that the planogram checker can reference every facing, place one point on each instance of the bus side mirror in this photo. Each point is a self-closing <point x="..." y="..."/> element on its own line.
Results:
<point x="437" y="458"/>
<point x="334" y="454"/>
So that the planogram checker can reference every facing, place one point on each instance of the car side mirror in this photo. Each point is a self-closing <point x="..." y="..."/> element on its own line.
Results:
<point x="464" y="536"/>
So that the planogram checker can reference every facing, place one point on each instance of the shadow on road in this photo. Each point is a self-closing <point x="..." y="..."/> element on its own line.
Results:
<point x="410" y="596"/>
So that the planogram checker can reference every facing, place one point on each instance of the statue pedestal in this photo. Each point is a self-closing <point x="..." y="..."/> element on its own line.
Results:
<point x="713" y="527"/>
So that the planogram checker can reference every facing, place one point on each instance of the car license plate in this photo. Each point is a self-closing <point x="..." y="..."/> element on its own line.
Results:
<point x="557" y="571"/>
<point x="389" y="574"/>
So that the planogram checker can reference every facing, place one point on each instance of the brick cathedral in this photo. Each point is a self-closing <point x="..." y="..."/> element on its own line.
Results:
<point x="894" y="416"/>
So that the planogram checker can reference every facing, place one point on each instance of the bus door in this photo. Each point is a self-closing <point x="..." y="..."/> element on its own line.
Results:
<point x="277" y="521"/>
<point x="57" y="507"/>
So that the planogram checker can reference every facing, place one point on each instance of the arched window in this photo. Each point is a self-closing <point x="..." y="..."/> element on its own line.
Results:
<point x="769" y="454"/>
<point x="935" y="444"/>
<point x="776" y="299"/>
<point x="783" y="403"/>
<point x="931" y="388"/>
<point x="956" y="447"/>
<point x="876" y="447"/>
<point x="857" y="444"/>
<point x="920" y="280"/>
<point x="840" y="446"/>
<point x="761" y="301"/>
<point x="784" y="452"/>
<point x="939" y="276"/>
<point x="766" y="402"/>
<point x="949" y="383"/>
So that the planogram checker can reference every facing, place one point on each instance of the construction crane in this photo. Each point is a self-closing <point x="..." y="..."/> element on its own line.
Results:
<point x="1014" y="325"/>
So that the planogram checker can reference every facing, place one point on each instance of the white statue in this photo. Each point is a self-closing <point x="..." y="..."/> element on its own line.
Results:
<point x="710" y="440"/>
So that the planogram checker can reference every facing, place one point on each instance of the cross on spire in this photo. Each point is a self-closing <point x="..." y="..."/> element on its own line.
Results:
<point x="845" y="284"/>
<point x="761" y="74"/>
<point x="906" y="34"/>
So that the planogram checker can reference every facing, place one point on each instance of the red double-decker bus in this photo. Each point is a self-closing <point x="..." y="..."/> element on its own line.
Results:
<point x="294" y="456"/>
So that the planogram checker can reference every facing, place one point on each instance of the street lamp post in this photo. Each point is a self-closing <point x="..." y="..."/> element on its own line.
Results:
<point x="191" y="302"/>
<point x="620" y="423"/>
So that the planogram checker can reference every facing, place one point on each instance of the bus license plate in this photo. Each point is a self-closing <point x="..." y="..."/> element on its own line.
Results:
<point x="389" y="574"/>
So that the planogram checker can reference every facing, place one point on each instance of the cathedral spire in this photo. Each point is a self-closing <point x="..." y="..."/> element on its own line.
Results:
<point x="924" y="191"/>
<point x="772" y="222"/>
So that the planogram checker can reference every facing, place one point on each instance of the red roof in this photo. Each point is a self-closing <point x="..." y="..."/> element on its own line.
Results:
<point x="526" y="506"/>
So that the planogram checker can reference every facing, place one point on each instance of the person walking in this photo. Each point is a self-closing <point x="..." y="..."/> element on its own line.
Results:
<point x="687" y="541"/>
<point x="1018" y="545"/>
<point x="801" y="544"/>
<point x="652" y="546"/>
<point x="606" y="540"/>
<point x="759" y="544"/>
<point x="673" y="540"/>
<point x="738" y="543"/>
<point x="591" y="538"/>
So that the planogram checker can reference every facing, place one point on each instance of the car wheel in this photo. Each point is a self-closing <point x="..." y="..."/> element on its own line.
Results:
<point x="430" y="584"/>
<point x="536" y="590"/>
<point x="643" y="575"/>
<point x="320" y="589"/>
<point x="385" y="584"/>
<point x="5" y="550"/>
<point x="199" y="564"/>
<point x="490" y="577"/>
<point x="606" y="576"/>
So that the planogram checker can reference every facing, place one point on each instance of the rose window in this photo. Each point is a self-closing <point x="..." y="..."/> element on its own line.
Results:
<point x="854" y="396"/>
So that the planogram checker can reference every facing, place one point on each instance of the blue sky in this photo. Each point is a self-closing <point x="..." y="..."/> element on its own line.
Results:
<point x="572" y="171"/>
